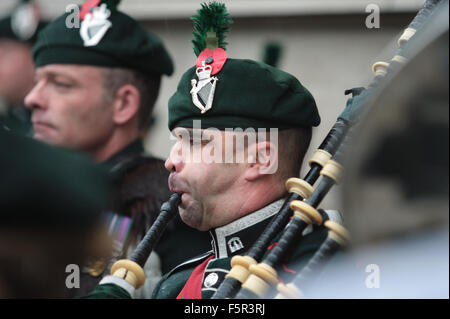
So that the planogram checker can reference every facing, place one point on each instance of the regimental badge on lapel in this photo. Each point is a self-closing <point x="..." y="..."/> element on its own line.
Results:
<point x="235" y="244"/>
<point x="203" y="91"/>
<point x="94" y="25"/>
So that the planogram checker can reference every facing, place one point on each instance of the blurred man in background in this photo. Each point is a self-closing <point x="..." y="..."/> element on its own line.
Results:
<point x="95" y="89"/>
<point x="18" y="32"/>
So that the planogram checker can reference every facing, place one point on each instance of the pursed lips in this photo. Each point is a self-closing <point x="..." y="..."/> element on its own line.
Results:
<point x="42" y="125"/>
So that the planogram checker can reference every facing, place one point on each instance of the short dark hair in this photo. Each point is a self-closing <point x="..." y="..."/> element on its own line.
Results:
<point x="147" y="85"/>
<point x="293" y="145"/>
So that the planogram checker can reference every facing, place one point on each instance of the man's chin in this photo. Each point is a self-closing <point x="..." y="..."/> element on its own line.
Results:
<point x="48" y="139"/>
<point x="45" y="133"/>
<point x="188" y="217"/>
<point x="44" y="138"/>
<point x="191" y="212"/>
<point x="40" y="137"/>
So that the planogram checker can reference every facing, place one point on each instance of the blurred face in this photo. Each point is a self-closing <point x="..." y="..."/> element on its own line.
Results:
<point x="207" y="187"/>
<point x="69" y="107"/>
<point x="16" y="70"/>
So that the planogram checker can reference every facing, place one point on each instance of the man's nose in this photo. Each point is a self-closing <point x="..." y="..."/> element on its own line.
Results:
<point x="174" y="163"/>
<point x="35" y="98"/>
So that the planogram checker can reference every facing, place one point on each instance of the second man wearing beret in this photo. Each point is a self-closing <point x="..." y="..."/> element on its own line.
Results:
<point x="95" y="89"/>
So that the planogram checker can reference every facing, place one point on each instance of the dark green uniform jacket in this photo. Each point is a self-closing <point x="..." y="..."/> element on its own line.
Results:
<point x="229" y="240"/>
<point x="235" y="239"/>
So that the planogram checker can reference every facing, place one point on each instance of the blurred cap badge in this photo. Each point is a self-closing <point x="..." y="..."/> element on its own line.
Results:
<point x="94" y="23"/>
<point x="25" y="20"/>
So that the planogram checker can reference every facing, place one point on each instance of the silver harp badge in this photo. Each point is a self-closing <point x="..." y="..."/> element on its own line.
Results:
<point x="94" y="26"/>
<point x="203" y="91"/>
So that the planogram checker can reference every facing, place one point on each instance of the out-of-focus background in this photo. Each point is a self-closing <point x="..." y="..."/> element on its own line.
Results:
<point x="325" y="43"/>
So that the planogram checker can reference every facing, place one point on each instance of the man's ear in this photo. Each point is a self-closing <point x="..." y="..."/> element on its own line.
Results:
<point x="262" y="160"/>
<point x="125" y="104"/>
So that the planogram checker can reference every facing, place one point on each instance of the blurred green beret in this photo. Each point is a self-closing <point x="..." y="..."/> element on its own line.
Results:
<point x="23" y="24"/>
<point x="125" y="44"/>
<point x="248" y="94"/>
<point x="44" y="187"/>
<point x="235" y="93"/>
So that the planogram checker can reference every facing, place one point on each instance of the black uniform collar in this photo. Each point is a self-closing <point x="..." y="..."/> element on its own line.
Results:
<point x="239" y="235"/>
<point x="134" y="148"/>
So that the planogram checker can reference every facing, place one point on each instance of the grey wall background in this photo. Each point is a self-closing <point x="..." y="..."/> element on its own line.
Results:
<point x="326" y="44"/>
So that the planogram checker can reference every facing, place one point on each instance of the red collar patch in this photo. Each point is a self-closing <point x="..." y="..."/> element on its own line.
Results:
<point x="193" y="287"/>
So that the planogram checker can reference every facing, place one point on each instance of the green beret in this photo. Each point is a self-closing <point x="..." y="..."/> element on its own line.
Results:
<point x="248" y="94"/>
<point x="44" y="187"/>
<point x="125" y="44"/>
<point x="236" y="93"/>
<point x="23" y="24"/>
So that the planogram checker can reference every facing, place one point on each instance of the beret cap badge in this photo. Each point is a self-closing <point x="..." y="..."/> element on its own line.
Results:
<point x="203" y="91"/>
<point x="95" y="22"/>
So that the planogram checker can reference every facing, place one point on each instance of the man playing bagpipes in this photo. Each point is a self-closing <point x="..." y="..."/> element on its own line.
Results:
<point x="233" y="190"/>
<point x="220" y="98"/>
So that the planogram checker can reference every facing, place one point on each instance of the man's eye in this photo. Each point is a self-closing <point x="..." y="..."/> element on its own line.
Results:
<point x="62" y="84"/>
